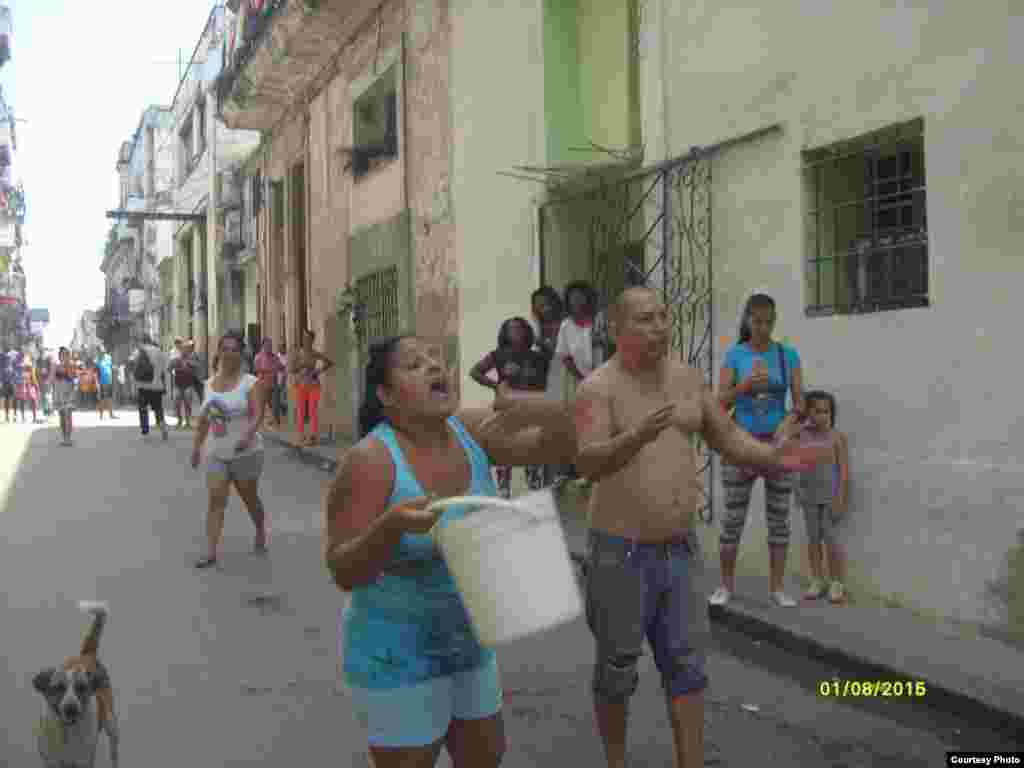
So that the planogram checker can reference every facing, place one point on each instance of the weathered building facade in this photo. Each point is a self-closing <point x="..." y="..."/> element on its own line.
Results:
<point x="875" y="196"/>
<point x="139" y="246"/>
<point x="315" y="82"/>
<point x="14" y="317"/>
<point x="206" y="280"/>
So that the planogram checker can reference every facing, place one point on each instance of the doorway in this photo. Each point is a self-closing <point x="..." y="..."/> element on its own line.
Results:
<point x="276" y="293"/>
<point x="297" y="203"/>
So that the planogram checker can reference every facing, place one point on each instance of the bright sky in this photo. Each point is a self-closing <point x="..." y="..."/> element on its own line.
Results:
<point x="80" y="76"/>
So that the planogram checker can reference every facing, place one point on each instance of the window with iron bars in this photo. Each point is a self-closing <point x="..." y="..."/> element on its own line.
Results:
<point x="378" y="293"/>
<point x="866" y="231"/>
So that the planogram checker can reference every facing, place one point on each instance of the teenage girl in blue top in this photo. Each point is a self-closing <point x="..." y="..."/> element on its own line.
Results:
<point x="418" y="676"/>
<point x="757" y="375"/>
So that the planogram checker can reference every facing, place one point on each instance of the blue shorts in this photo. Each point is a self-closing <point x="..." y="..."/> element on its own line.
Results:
<point x="641" y="591"/>
<point x="418" y="715"/>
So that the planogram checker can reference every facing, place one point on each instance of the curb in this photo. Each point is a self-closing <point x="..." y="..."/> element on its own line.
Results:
<point x="304" y="454"/>
<point x="940" y="697"/>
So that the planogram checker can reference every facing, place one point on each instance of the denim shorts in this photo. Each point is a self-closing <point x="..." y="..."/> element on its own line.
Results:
<point x="418" y="715"/>
<point x="637" y="591"/>
<point x="247" y="467"/>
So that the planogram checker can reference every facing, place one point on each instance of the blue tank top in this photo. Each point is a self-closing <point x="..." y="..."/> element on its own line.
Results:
<point x="410" y="625"/>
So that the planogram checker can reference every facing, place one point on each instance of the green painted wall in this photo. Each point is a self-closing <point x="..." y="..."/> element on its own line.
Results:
<point x="562" y="109"/>
<point x="591" y="85"/>
<point x="610" y="116"/>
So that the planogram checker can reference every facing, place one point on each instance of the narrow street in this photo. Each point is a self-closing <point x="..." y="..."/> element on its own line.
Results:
<point x="238" y="665"/>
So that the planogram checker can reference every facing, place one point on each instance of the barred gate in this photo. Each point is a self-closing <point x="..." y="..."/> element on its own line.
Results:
<point x="650" y="227"/>
<point x="378" y="295"/>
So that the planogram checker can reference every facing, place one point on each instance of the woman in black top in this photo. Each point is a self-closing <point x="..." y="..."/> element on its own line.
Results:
<point x="517" y="363"/>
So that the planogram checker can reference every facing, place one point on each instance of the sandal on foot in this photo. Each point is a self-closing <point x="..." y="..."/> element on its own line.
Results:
<point x="206" y="562"/>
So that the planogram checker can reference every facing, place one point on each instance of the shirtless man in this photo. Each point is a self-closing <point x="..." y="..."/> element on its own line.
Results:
<point x="636" y="416"/>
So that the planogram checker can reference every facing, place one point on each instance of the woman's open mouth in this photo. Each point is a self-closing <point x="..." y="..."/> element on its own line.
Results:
<point x="439" y="389"/>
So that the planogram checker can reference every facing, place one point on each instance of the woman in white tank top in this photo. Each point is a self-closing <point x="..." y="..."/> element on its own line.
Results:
<point x="231" y="416"/>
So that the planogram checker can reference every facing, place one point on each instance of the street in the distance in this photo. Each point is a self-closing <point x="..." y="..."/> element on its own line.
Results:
<point x="238" y="665"/>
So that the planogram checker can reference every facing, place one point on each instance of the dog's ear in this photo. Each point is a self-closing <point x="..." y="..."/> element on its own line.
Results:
<point x="41" y="682"/>
<point x="99" y="679"/>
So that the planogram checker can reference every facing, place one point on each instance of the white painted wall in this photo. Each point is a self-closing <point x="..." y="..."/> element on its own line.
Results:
<point x="494" y="129"/>
<point x="929" y="397"/>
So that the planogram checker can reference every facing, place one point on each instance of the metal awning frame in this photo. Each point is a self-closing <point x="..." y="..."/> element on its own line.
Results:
<point x="155" y="215"/>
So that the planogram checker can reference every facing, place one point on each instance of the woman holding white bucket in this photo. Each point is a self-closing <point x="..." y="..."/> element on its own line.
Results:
<point x="419" y="678"/>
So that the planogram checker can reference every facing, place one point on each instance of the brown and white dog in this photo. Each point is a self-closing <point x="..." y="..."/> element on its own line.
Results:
<point x="80" y="703"/>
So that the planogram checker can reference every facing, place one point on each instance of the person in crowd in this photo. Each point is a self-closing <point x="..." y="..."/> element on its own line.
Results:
<point x="183" y="373"/>
<point x="122" y="382"/>
<point x="756" y="377"/>
<point x="178" y="348"/>
<point x="231" y="415"/>
<point x="575" y="345"/>
<point x="308" y="366"/>
<point x="17" y="362"/>
<point x="823" y="493"/>
<point x="546" y="319"/>
<point x="636" y="417"/>
<point x="516" y="363"/>
<point x="46" y="367"/>
<point x="64" y="392"/>
<point x="575" y="349"/>
<point x="105" y="383"/>
<point x="150" y="368"/>
<point x="419" y="679"/>
<point x="7" y="383"/>
<point x="547" y="316"/>
<point x="202" y="373"/>
<point x="267" y="366"/>
<point x="281" y="387"/>
<point x="87" y="384"/>
<point x="27" y="389"/>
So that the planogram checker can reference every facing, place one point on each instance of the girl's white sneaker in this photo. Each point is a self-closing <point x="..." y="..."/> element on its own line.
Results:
<point x="720" y="596"/>
<point x="783" y="600"/>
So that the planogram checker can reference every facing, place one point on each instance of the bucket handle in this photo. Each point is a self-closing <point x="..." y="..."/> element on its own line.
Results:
<point x="489" y="501"/>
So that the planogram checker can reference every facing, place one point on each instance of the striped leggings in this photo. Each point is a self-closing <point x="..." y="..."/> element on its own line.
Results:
<point x="738" y="484"/>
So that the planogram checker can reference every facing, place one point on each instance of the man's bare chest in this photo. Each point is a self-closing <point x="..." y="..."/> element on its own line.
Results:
<point x="630" y="408"/>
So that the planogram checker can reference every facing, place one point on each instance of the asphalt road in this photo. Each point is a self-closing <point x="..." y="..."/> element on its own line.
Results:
<point x="238" y="665"/>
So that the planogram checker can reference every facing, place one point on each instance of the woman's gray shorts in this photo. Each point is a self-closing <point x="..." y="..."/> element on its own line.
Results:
<point x="823" y="524"/>
<point x="247" y="467"/>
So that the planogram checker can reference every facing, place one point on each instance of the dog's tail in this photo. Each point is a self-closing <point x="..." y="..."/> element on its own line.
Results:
<point x="99" y="612"/>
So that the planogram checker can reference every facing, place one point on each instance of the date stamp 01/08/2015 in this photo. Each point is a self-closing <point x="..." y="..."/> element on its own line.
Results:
<point x="888" y="689"/>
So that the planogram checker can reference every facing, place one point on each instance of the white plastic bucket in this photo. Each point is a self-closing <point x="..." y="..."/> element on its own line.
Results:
<point x="511" y="564"/>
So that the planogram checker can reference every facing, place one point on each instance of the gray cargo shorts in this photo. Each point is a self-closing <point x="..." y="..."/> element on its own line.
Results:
<point x="637" y="591"/>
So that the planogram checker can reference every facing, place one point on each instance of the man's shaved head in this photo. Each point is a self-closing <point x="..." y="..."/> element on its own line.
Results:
<point x="627" y="300"/>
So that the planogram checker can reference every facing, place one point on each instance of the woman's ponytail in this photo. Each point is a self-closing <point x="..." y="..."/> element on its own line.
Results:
<point x="378" y="369"/>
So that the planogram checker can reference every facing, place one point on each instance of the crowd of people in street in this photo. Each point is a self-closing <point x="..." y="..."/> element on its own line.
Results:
<point x="581" y="391"/>
<point x="419" y="679"/>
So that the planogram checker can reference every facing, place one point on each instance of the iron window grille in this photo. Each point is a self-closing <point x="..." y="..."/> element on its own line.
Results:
<point x="378" y="295"/>
<point x="866" y="233"/>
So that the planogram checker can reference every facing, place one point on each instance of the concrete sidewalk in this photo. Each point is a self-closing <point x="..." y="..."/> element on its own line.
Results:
<point x="323" y="456"/>
<point x="977" y="678"/>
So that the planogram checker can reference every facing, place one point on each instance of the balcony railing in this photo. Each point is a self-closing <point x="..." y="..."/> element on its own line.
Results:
<point x="256" y="27"/>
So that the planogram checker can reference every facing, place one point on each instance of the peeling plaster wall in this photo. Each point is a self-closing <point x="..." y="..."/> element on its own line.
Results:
<point x="495" y="127"/>
<point x="927" y="396"/>
<point x="340" y="208"/>
<point x="429" y="161"/>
